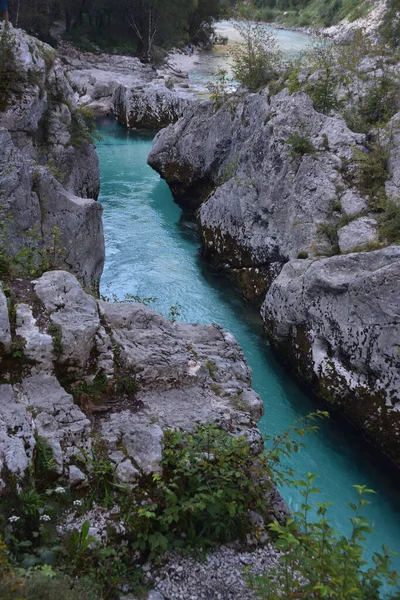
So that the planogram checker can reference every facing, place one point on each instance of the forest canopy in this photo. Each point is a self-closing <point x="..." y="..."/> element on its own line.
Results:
<point x="138" y="26"/>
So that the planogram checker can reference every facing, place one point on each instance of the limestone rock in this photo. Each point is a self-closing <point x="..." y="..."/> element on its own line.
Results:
<point x="126" y="472"/>
<point x="357" y="233"/>
<point x="336" y="321"/>
<point x="165" y="375"/>
<point x="73" y="311"/>
<point x="5" y="333"/>
<point x="261" y="203"/>
<point x="40" y="125"/>
<point x="122" y="86"/>
<point x="150" y="107"/>
<point x="56" y="418"/>
<point x="393" y="184"/>
<point x="75" y="476"/>
<point x="19" y="204"/>
<point x="39" y="113"/>
<point x="38" y="346"/>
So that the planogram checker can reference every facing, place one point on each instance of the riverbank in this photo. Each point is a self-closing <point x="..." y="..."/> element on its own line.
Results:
<point x="370" y="22"/>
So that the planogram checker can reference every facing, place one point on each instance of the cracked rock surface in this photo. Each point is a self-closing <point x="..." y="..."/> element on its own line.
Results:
<point x="163" y="375"/>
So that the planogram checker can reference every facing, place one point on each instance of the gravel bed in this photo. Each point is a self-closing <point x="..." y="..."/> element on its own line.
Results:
<point x="220" y="576"/>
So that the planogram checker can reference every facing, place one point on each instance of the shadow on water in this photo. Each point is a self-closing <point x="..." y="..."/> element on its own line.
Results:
<point x="153" y="249"/>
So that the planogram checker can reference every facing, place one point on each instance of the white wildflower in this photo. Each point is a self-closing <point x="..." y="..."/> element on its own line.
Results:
<point x="45" y="518"/>
<point x="13" y="519"/>
<point x="77" y="502"/>
<point x="59" y="490"/>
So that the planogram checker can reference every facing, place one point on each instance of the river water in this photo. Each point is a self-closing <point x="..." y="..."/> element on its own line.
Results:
<point x="206" y="65"/>
<point x="152" y="250"/>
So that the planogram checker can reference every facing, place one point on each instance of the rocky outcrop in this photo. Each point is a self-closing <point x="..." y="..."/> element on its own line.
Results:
<point x="263" y="198"/>
<point x="39" y="111"/>
<point x="122" y="86"/>
<point x="337" y="323"/>
<point x="369" y="23"/>
<point x="154" y="374"/>
<point x="273" y="182"/>
<point x="48" y="168"/>
<point x="151" y="107"/>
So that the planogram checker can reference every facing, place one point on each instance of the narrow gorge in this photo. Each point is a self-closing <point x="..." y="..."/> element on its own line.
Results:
<point x="111" y="413"/>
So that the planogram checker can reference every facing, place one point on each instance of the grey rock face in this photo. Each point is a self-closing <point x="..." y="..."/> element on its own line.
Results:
<point x="357" y="233"/>
<point x="57" y="226"/>
<point x="150" y="107"/>
<point x="337" y="323"/>
<point x="39" y="115"/>
<point x="393" y="185"/>
<point x="38" y="346"/>
<point x="122" y="86"/>
<point x="267" y="202"/>
<point x="261" y="202"/>
<point x="73" y="311"/>
<point x="5" y="333"/>
<point x="171" y="375"/>
<point x="42" y="144"/>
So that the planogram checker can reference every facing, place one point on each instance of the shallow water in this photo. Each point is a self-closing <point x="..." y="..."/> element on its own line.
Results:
<point x="152" y="249"/>
<point x="207" y="64"/>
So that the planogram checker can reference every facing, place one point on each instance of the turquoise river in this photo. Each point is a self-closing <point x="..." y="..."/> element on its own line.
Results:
<point x="153" y="250"/>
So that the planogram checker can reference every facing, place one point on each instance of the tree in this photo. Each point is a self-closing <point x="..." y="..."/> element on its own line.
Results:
<point x="257" y="59"/>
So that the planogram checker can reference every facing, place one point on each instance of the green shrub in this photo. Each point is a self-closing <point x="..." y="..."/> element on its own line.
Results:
<point x="10" y="75"/>
<point x="205" y="494"/>
<point x="389" y="222"/>
<point x="219" y="88"/>
<point x="302" y="254"/>
<point x="372" y="173"/>
<point x="101" y="473"/>
<point x="83" y="127"/>
<point x="300" y="145"/>
<point x="46" y="584"/>
<point x="257" y="59"/>
<point x="317" y="562"/>
<point x="56" y="334"/>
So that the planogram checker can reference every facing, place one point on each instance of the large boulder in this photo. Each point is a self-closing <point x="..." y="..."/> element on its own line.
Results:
<point x="265" y="174"/>
<point x="336" y="322"/>
<point x="164" y="375"/>
<point x="42" y="224"/>
<point x="48" y="167"/>
<point x="149" y="107"/>
<point x="40" y="112"/>
<point x="123" y="87"/>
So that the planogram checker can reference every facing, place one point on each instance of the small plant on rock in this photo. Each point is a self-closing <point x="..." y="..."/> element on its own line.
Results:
<point x="256" y="60"/>
<point x="316" y="562"/>
<point x="300" y="145"/>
